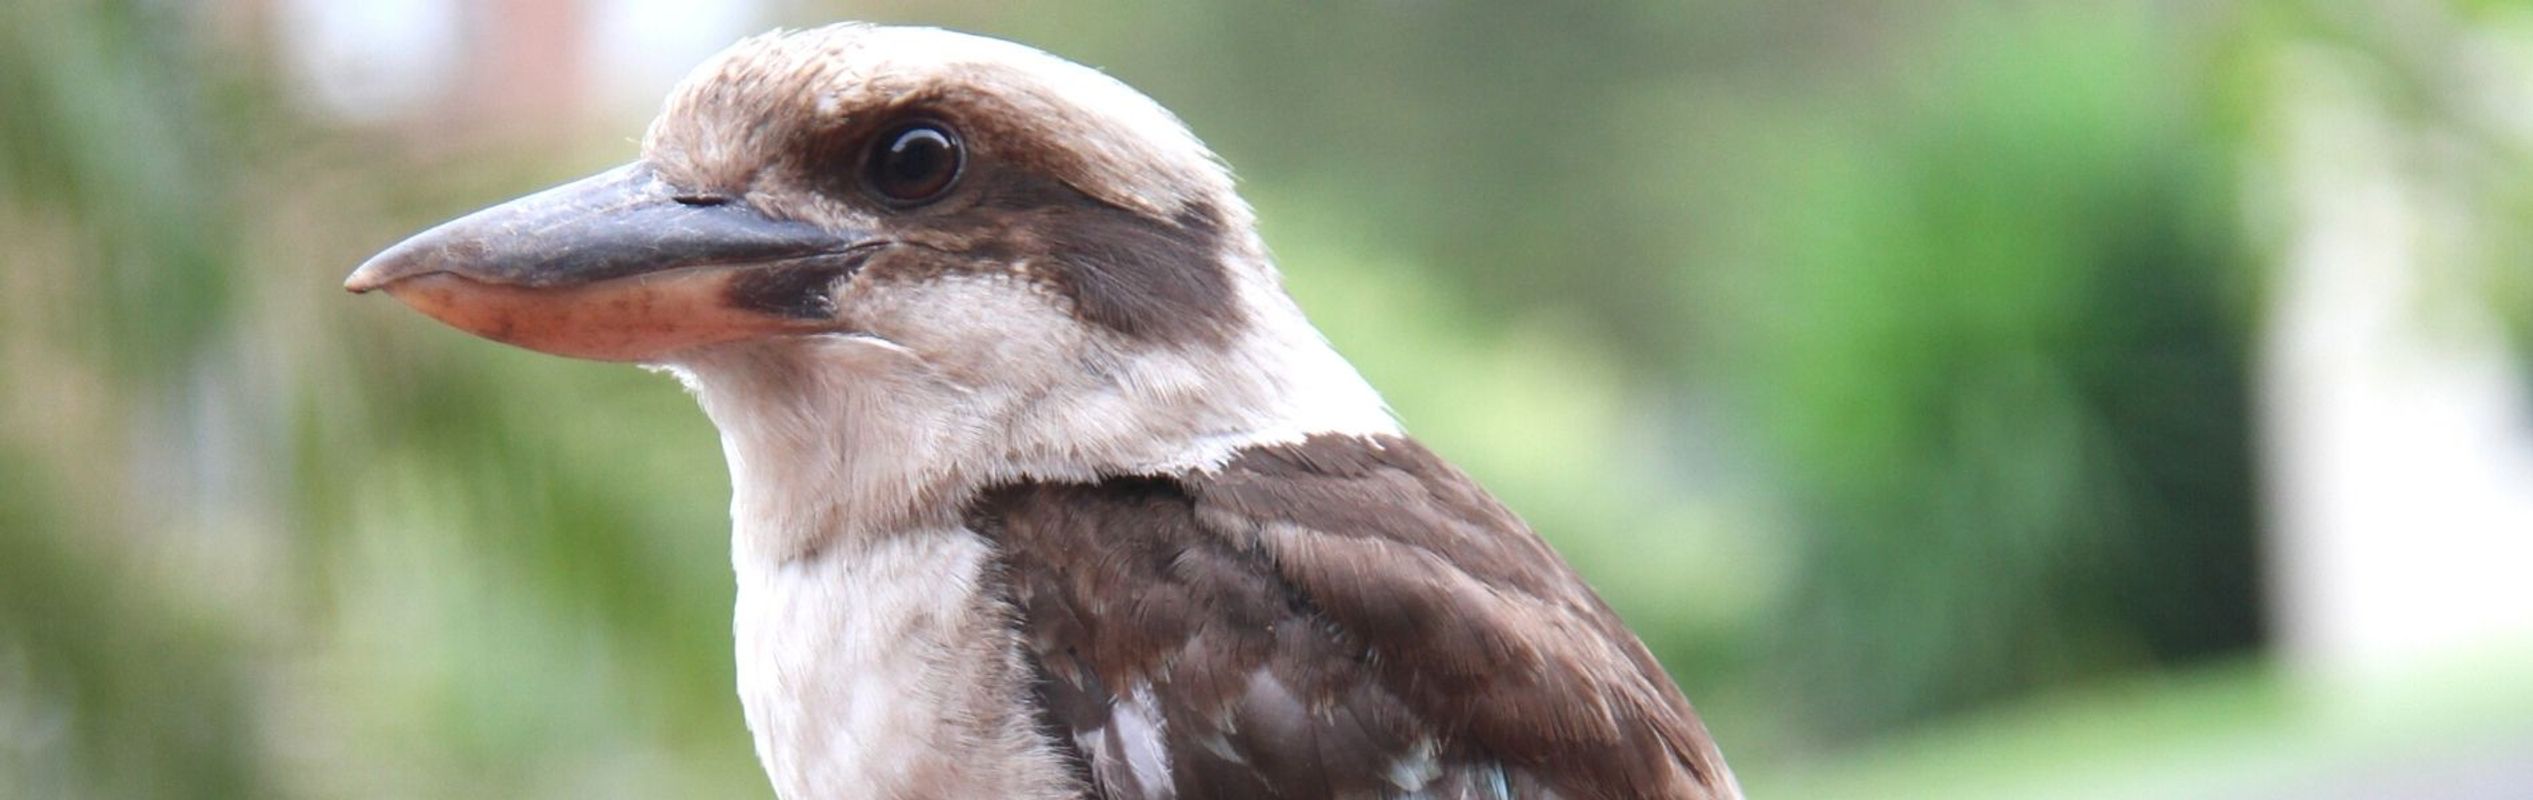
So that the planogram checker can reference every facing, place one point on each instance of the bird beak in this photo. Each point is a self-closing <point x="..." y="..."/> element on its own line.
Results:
<point x="619" y="266"/>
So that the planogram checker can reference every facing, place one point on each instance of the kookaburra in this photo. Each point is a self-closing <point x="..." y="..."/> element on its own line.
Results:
<point x="1042" y="486"/>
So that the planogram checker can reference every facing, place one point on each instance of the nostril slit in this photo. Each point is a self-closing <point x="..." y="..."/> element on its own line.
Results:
<point x="702" y="199"/>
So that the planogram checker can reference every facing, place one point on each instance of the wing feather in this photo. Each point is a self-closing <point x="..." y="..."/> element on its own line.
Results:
<point x="1340" y="617"/>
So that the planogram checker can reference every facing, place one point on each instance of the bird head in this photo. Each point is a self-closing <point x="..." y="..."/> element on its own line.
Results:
<point x="1002" y="240"/>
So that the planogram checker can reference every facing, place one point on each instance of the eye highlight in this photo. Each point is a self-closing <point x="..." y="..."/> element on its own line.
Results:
<point x="913" y="163"/>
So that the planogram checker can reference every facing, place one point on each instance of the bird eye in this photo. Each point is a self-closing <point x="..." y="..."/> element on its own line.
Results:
<point x="914" y="163"/>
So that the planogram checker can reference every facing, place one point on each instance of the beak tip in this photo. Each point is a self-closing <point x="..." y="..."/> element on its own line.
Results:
<point x="383" y="269"/>
<point x="361" y="282"/>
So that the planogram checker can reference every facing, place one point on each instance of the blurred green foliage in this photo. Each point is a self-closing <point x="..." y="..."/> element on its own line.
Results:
<point x="105" y="691"/>
<point x="1879" y="363"/>
<point x="1996" y="330"/>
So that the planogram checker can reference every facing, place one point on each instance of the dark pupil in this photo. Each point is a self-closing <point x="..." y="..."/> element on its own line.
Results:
<point x="918" y="163"/>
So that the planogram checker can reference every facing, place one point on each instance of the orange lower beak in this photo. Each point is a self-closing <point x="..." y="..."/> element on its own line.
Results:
<point x="637" y="318"/>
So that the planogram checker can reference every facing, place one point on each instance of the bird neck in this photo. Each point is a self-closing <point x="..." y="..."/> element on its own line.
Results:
<point x="876" y="657"/>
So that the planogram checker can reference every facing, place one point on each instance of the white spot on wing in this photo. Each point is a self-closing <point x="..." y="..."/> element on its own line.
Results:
<point x="1127" y="755"/>
<point x="1139" y="728"/>
<point x="1412" y="771"/>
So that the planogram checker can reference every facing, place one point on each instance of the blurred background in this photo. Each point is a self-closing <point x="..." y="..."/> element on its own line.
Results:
<point x="1964" y="399"/>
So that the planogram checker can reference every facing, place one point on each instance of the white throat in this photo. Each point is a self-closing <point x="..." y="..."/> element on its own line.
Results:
<point x="874" y="657"/>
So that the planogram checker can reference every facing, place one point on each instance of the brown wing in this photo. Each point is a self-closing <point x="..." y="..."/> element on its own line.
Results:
<point x="1343" y="617"/>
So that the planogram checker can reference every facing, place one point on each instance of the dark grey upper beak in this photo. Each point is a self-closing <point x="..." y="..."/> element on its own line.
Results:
<point x="622" y="222"/>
